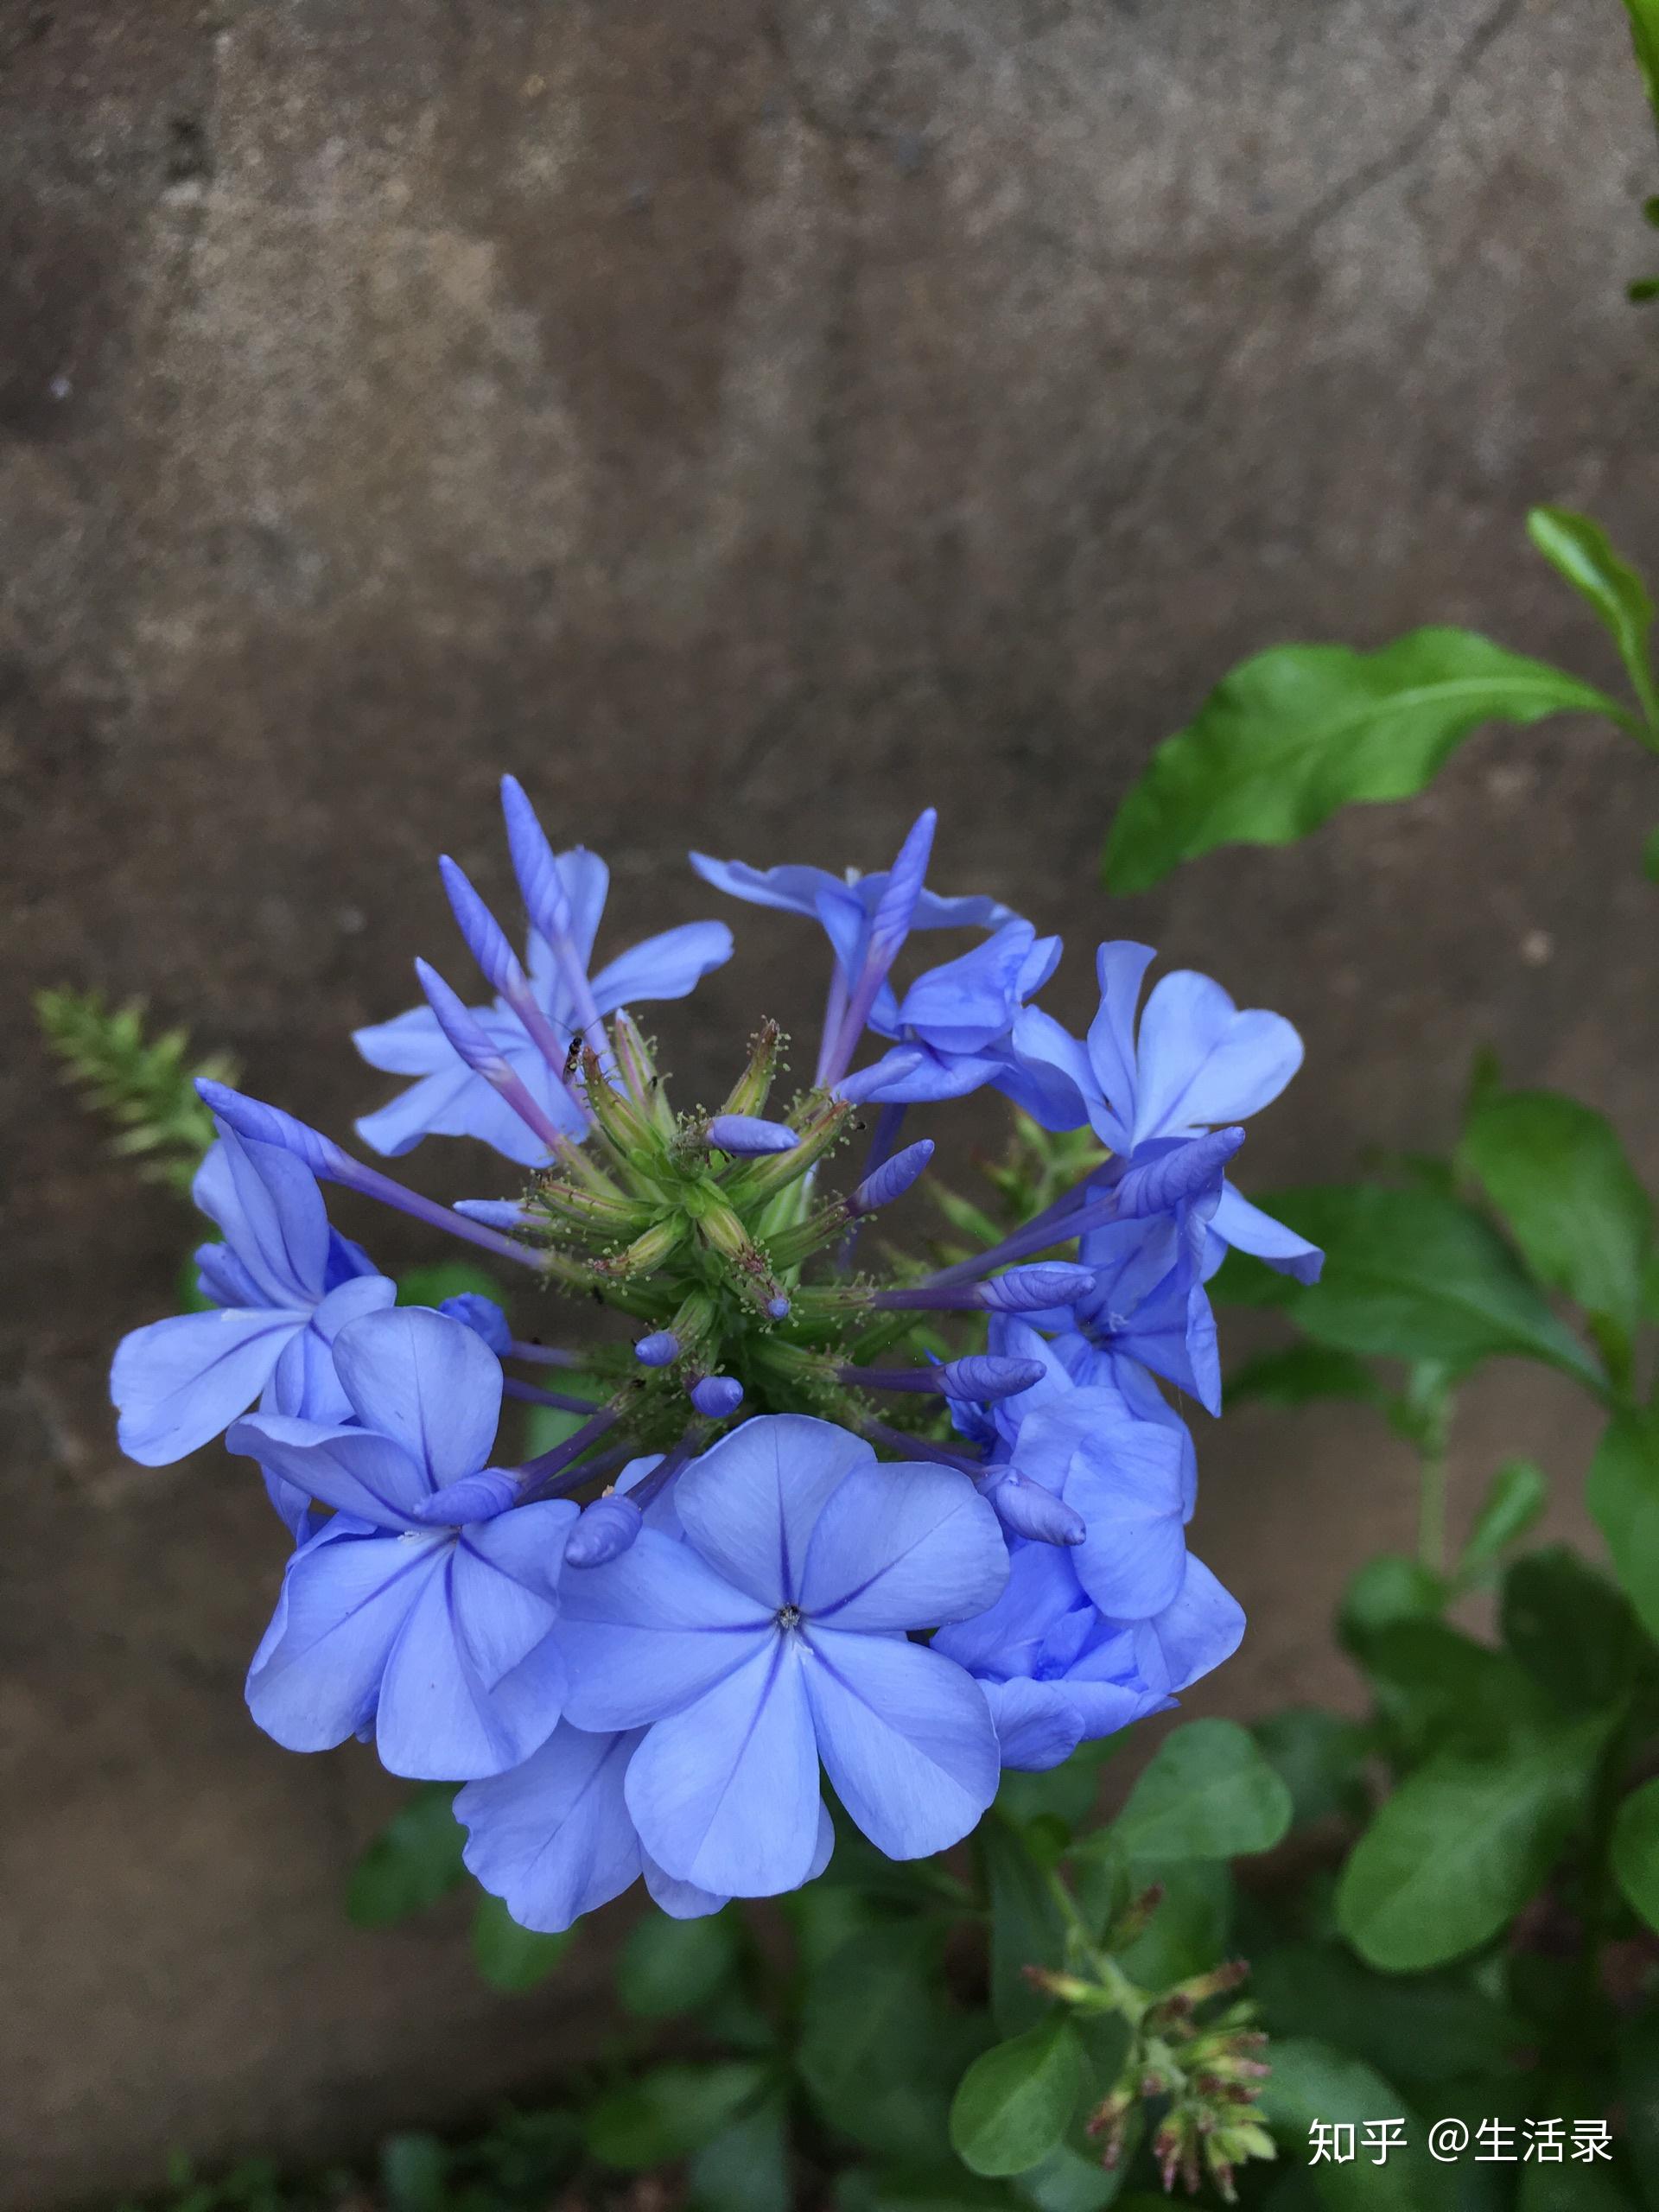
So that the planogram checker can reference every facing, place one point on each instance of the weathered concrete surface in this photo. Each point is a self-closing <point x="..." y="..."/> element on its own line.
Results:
<point x="746" y="425"/>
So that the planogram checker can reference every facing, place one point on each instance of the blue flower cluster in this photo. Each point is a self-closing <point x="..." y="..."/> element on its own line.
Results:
<point x="742" y="1570"/>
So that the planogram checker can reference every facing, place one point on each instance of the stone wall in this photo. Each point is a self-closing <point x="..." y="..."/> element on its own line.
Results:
<point x="747" y="424"/>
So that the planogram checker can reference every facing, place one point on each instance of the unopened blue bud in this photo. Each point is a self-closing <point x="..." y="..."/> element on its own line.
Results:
<point x="1027" y="1290"/>
<point x="261" y="1124"/>
<point x="984" y="1374"/>
<point x="461" y="1027"/>
<point x="486" y="938"/>
<point x="1026" y="1509"/>
<point x="660" y="1349"/>
<point x="892" y="1179"/>
<point x="482" y="1316"/>
<point x="747" y="1134"/>
<point x="473" y="1497"/>
<point x="495" y="1213"/>
<point x="777" y="1309"/>
<point x="604" y="1531"/>
<point x="1190" y="1170"/>
<point x="714" y="1396"/>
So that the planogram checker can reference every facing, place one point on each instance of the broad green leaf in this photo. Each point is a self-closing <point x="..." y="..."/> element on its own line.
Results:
<point x="1427" y="2028"/>
<point x="1311" y="2084"/>
<point x="1638" y="2088"/>
<point x="1582" y="550"/>
<point x="1320" y="1756"/>
<point x="1515" y="1497"/>
<point x="1441" y="1690"/>
<point x="1300" y="1375"/>
<point x="1207" y="1794"/>
<point x="746" y="2167"/>
<point x="1650" y="848"/>
<point x="1558" y="1174"/>
<point x="1623" y="1495"/>
<point x="879" y="2052"/>
<point x="509" y="1957"/>
<point x="673" y="1965"/>
<point x="1636" y="1851"/>
<point x="1069" y="2180"/>
<point x="1066" y="1792"/>
<point x="1460" y="1847"/>
<point x="1570" y="1627"/>
<point x="670" y="2112"/>
<point x="1299" y="731"/>
<point x="1189" y="1932"/>
<point x="414" y="1861"/>
<point x="1026" y="1928"/>
<point x="1645" y="37"/>
<point x="1578" y="2187"/>
<point x="1410" y="1275"/>
<point x="1015" y="2101"/>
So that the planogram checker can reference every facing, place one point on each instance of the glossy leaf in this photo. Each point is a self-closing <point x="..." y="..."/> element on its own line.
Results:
<point x="878" y="2053"/>
<point x="1582" y="550"/>
<point x="1189" y="1932"/>
<point x="1414" y="1275"/>
<point x="1570" y="1627"/>
<point x="1459" y="1848"/>
<point x="1557" y="1173"/>
<point x="1515" y="1497"/>
<point x="414" y="1861"/>
<point x="1623" y="1494"/>
<point x="510" y="1958"/>
<point x="1299" y="731"/>
<point x="671" y="2111"/>
<point x="1026" y="1928"/>
<point x="1311" y="2082"/>
<point x="1300" y="1375"/>
<point x="1016" y="2100"/>
<point x="1320" y="1756"/>
<point x="1428" y="2028"/>
<point x="1636" y="1851"/>
<point x="746" y="2167"/>
<point x="1208" y="1793"/>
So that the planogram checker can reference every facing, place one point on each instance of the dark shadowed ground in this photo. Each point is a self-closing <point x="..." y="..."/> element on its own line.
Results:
<point x="747" y="425"/>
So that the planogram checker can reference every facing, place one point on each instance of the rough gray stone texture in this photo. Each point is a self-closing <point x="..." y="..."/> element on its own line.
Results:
<point x="746" y="424"/>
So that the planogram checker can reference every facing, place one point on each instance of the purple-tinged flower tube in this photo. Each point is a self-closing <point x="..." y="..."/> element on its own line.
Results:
<point x="979" y="1377"/>
<point x="548" y="904"/>
<point x="1019" y="1290"/>
<point x="889" y="927"/>
<point x="502" y="970"/>
<point x="472" y="1044"/>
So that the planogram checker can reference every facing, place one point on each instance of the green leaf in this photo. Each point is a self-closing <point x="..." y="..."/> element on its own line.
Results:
<point x="1310" y="2083"/>
<point x="1066" y="1792"/>
<point x="1300" y="1375"/>
<point x="431" y="1286"/>
<point x="1515" y="1497"/>
<point x="1645" y="37"/>
<point x="670" y="2112"/>
<point x="1427" y="2028"/>
<point x="1582" y="550"/>
<point x="1623" y="1495"/>
<point x="1188" y="1933"/>
<point x="509" y="1958"/>
<point x="1650" y="849"/>
<point x="1638" y="2095"/>
<point x="878" y="2052"/>
<point x="414" y="1861"/>
<point x="1025" y="1928"/>
<point x="1460" y="1847"/>
<point x="1410" y="1275"/>
<point x="1383" y="1592"/>
<point x="415" y="2174"/>
<point x="1299" y="731"/>
<point x="1320" y="1756"/>
<point x="1558" y="1174"/>
<point x="1207" y="1794"/>
<point x="1016" y="2100"/>
<point x="1636" y="1851"/>
<point x="1570" y="1629"/>
<point x="1069" y="2180"/>
<point x="673" y="1965"/>
<point x="746" y="2167"/>
<point x="1440" y="1689"/>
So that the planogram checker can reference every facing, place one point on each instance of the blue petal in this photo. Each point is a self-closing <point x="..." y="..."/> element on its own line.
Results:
<point x="410" y="1044"/>
<point x="445" y="1714"/>
<point x="651" y="1631"/>
<point x="906" y="1737"/>
<point x="680" y="1900"/>
<point x="1051" y="1066"/>
<point x="428" y="1382"/>
<point x="369" y="1475"/>
<point x="455" y="1102"/>
<point x="902" y="1547"/>
<point x="552" y="1836"/>
<point x="1120" y="967"/>
<point x="1009" y="1638"/>
<point x="968" y="1002"/>
<point x="1204" y="1625"/>
<point x="1237" y="1222"/>
<point x="305" y="1383"/>
<point x="1038" y="1725"/>
<point x="1126" y="1482"/>
<point x="272" y="1211"/>
<point x="179" y="1381"/>
<point x="666" y="967"/>
<point x="1201" y="1062"/>
<point x="315" y="1678"/>
<point x="725" y="1795"/>
<point x="750" y="1503"/>
<point x="790" y="889"/>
